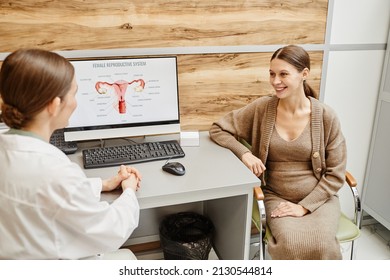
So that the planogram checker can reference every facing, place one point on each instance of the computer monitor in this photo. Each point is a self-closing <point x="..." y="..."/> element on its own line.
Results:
<point x="125" y="97"/>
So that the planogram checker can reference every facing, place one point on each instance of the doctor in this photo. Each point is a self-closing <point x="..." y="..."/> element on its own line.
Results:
<point x="49" y="208"/>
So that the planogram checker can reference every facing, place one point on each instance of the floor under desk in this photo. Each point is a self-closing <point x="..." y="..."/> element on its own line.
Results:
<point x="373" y="244"/>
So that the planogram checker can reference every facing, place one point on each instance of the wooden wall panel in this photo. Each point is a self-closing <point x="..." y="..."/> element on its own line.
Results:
<point x="209" y="84"/>
<point x="212" y="85"/>
<point x="96" y="24"/>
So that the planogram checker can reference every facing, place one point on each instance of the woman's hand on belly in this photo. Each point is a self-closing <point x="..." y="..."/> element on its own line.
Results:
<point x="285" y="209"/>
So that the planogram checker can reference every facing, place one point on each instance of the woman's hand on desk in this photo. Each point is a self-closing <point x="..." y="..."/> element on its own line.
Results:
<point x="131" y="182"/>
<point x="253" y="163"/>
<point x="133" y="170"/>
<point x="127" y="177"/>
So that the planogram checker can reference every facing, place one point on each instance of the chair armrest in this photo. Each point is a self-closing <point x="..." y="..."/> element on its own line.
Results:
<point x="258" y="193"/>
<point x="259" y="196"/>
<point x="352" y="183"/>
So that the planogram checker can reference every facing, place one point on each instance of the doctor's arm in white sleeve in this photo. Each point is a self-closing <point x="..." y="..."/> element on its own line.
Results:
<point x="87" y="226"/>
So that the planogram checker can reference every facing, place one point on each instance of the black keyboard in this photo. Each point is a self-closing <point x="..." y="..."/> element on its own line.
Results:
<point x="131" y="153"/>
<point x="57" y="139"/>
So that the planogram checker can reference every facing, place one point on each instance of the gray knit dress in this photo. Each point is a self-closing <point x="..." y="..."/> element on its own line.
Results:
<point x="290" y="178"/>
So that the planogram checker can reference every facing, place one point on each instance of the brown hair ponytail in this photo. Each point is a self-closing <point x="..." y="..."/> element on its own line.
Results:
<point x="29" y="80"/>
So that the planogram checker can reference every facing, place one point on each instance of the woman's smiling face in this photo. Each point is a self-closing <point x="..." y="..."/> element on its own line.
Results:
<point x="285" y="78"/>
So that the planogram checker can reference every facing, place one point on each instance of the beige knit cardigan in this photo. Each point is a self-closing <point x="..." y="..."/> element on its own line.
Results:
<point x="255" y="122"/>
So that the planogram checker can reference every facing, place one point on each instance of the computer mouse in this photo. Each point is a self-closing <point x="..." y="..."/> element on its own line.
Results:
<point x="175" y="168"/>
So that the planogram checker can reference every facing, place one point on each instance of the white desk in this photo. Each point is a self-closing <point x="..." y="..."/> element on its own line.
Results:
<point x="214" y="177"/>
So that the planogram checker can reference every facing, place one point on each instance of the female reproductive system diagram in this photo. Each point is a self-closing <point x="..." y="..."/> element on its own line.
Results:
<point x="119" y="88"/>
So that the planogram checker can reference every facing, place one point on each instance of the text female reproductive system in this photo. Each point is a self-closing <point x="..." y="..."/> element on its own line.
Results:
<point x="120" y="88"/>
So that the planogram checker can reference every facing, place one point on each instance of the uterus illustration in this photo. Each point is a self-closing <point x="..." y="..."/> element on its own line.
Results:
<point x="120" y="88"/>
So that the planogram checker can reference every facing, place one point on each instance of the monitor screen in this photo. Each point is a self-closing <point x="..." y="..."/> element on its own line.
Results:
<point x="125" y="97"/>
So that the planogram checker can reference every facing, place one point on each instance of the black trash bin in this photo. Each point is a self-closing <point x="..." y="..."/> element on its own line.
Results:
<point x="186" y="236"/>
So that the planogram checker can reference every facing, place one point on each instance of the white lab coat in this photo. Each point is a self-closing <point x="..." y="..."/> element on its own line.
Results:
<point x="49" y="209"/>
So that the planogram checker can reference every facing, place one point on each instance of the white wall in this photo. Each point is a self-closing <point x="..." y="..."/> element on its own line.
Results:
<point x="360" y="21"/>
<point x="354" y="68"/>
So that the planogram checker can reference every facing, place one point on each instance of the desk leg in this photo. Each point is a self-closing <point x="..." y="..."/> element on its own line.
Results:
<point x="231" y="217"/>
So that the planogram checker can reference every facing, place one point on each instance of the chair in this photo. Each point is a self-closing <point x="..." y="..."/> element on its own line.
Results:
<point x="348" y="231"/>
